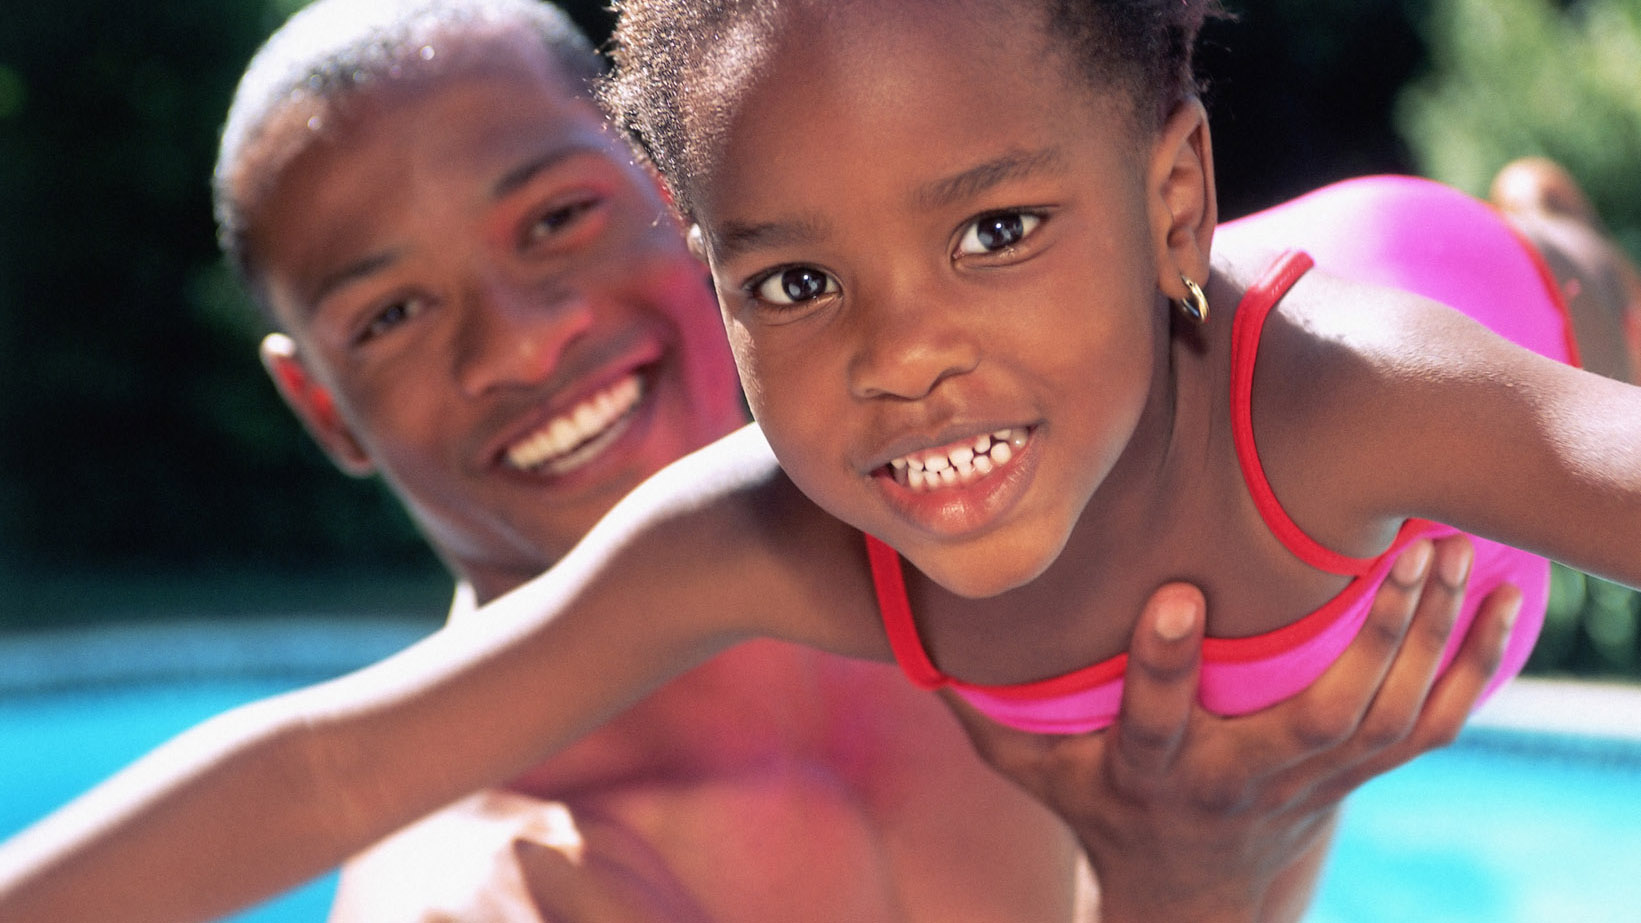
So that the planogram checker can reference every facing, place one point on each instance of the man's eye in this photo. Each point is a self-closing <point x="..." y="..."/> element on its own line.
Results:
<point x="390" y="317"/>
<point x="794" y="286"/>
<point x="996" y="232"/>
<point x="557" y="220"/>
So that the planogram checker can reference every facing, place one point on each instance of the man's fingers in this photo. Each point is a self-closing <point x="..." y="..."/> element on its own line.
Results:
<point x="1017" y="754"/>
<point x="1401" y="698"/>
<point x="1452" y="698"/>
<point x="1160" y="682"/>
<point x="1330" y="710"/>
<point x="1458" y="690"/>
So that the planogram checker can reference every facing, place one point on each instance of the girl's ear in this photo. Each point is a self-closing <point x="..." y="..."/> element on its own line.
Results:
<point x="1184" y="208"/>
<point x="313" y="405"/>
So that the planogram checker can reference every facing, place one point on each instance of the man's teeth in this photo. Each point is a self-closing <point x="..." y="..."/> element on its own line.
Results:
<point x="580" y="426"/>
<point x="962" y="464"/>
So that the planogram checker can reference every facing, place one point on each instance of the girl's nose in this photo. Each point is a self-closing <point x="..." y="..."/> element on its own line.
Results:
<point x="904" y="351"/>
<point x="515" y="336"/>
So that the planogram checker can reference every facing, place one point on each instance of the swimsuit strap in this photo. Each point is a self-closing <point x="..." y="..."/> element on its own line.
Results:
<point x="896" y="610"/>
<point x="1251" y="312"/>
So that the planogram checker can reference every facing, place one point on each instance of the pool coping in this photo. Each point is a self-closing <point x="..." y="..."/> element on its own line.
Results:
<point x="306" y="649"/>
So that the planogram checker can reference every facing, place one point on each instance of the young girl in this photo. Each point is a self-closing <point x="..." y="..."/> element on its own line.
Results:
<point x="963" y="252"/>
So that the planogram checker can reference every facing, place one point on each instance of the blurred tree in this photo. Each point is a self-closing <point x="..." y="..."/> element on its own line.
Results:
<point x="136" y="435"/>
<point x="1517" y="77"/>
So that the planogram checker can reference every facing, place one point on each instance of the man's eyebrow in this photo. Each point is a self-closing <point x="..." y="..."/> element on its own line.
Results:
<point x="737" y="237"/>
<point x="976" y="180"/>
<point x="509" y="182"/>
<point x="346" y="275"/>
<point x="522" y="174"/>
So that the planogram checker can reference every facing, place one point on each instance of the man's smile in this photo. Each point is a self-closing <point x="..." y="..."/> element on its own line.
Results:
<point x="575" y="437"/>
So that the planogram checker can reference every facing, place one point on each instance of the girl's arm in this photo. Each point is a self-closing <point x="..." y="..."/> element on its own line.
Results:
<point x="1413" y="409"/>
<point x="262" y="797"/>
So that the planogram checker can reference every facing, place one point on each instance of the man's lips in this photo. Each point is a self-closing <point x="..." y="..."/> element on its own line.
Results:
<point x="958" y="463"/>
<point x="573" y="438"/>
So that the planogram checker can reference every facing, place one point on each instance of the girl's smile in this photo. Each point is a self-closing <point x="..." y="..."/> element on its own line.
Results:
<point x="962" y="487"/>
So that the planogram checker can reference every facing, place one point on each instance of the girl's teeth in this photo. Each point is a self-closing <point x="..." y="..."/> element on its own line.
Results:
<point x="962" y="465"/>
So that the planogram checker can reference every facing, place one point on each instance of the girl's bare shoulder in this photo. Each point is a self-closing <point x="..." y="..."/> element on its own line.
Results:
<point x="726" y="524"/>
<point x="1345" y="402"/>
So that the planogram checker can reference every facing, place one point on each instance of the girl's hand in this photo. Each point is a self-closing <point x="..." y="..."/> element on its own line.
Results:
<point x="1186" y="815"/>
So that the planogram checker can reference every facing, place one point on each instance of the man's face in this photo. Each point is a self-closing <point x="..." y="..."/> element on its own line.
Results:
<point x="491" y="306"/>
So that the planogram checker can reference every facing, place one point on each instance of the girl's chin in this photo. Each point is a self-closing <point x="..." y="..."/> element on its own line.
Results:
<point x="981" y="571"/>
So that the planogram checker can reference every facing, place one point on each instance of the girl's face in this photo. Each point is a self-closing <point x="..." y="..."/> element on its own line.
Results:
<point x="935" y="255"/>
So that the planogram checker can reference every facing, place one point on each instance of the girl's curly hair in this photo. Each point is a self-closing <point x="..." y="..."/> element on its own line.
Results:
<point x="677" y="61"/>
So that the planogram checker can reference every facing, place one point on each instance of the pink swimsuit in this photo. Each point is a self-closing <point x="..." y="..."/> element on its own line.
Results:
<point x="1396" y="231"/>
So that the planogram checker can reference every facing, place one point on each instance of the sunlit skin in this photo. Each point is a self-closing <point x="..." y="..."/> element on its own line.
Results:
<point x="458" y="268"/>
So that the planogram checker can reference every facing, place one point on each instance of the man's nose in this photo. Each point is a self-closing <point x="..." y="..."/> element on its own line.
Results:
<point x="515" y="336"/>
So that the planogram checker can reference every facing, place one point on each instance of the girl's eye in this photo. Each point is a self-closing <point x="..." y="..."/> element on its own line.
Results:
<point x="997" y="232"/>
<point x="390" y="317"/>
<point x="794" y="286"/>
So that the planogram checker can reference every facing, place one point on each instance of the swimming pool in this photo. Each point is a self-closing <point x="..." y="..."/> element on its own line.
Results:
<point x="1535" y="815"/>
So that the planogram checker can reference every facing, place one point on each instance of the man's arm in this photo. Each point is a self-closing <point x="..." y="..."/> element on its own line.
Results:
<point x="1185" y="815"/>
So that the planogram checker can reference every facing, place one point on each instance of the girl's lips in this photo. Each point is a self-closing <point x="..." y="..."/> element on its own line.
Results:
<point x="952" y="496"/>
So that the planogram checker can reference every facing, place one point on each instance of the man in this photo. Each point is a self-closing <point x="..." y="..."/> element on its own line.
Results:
<point x="483" y="299"/>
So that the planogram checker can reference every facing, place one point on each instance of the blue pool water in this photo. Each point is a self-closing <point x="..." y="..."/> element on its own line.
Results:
<point x="55" y="745"/>
<point x="1505" y="826"/>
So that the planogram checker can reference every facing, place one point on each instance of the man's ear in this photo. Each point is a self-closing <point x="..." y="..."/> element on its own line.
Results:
<point x="1184" y="206"/>
<point x="313" y="405"/>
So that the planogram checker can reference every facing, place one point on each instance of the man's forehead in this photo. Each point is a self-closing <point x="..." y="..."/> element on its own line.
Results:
<point x="356" y="178"/>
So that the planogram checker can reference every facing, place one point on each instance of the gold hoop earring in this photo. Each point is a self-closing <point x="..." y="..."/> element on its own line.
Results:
<point x="1195" y="304"/>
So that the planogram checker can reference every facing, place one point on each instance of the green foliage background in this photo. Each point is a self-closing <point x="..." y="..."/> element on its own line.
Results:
<point x="1509" y="78"/>
<point x="147" y="468"/>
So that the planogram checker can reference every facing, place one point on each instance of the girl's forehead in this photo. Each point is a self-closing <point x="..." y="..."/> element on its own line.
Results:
<point x="870" y="90"/>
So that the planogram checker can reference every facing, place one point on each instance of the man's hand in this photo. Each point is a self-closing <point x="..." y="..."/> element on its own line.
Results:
<point x="1186" y="815"/>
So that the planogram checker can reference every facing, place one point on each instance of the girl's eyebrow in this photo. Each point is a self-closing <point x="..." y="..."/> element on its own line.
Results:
<point x="976" y="180"/>
<point x="737" y="237"/>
